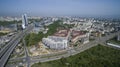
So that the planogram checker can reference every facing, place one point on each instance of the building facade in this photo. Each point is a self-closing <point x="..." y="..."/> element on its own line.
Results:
<point x="24" y="21"/>
<point x="55" y="42"/>
<point x="59" y="40"/>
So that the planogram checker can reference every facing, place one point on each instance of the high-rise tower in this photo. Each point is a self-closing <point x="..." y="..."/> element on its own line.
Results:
<point x="24" y="21"/>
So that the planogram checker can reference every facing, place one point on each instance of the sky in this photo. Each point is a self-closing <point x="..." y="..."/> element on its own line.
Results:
<point x="60" y="7"/>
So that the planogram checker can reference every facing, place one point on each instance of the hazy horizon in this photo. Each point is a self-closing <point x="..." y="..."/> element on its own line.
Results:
<point x="89" y="8"/>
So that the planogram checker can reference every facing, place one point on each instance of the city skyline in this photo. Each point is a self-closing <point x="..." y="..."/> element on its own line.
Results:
<point x="101" y="8"/>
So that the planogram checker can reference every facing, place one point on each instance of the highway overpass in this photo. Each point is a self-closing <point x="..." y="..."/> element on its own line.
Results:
<point x="8" y="49"/>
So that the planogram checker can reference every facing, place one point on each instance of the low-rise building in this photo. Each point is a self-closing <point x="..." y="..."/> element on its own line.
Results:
<point x="38" y="27"/>
<point x="85" y="40"/>
<point x="79" y="35"/>
<point x="4" y="39"/>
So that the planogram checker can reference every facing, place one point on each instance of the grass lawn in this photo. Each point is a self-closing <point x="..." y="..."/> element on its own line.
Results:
<point x="98" y="56"/>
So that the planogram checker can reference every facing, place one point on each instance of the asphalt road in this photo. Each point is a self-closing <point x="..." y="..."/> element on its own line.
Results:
<point x="76" y="50"/>
<point x="26" y="54"/>
<point x="101" y="40"/>
<point x="7" y="50"/>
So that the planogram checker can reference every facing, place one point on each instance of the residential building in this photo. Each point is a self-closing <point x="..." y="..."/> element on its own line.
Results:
<point x="79" y="35"/>
<point x="55" y="42"/>
<point x="59" y="40"/>
<point x="37" y="27"/>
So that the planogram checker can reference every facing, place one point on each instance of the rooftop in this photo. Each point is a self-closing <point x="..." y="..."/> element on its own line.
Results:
<point x="61" y="33"/>
<point x="76" y="33"/>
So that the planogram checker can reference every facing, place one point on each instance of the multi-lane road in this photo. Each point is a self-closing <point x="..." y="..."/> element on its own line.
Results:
<point x="101" y="40"/>
<point x="7" y="50"/>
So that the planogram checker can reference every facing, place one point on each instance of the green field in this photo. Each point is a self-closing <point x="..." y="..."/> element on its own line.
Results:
<point x="98" y="56"/>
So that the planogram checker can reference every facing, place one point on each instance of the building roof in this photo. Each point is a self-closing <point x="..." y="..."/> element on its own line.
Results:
<point x="76" y="33"/>
<point x="62" y="33"/>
